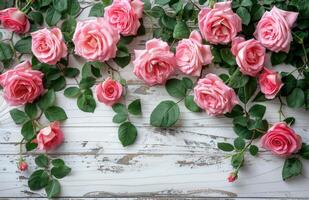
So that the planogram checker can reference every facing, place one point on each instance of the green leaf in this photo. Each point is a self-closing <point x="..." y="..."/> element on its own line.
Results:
<point x="60" y="171"/>
<point x="47" y="99"/>
<point x="6" y="51"/>
<point x="156" y="12"/>
<point x="123" y="56"/>
<point x="23" y="45"/>
<point x="253" y="150"/>
<point x="134" y="107"/>
<point x="278" y="58"/>
<point x="18" y="116"/>
<point x="120" y="117"/>
<point x="176" y="88"/>
<point x="38" y="180"/>
<point x="162" y="2"/>
<point x="58" y="162"/>
<point x="227" y="56"/>
<point x="86" y="103"/>
<point x="257" y="12"/>
<point x="290" y="83"/>
<point x="119" y="108"/>
<point x="86" y="83"/>
<point x="244" y="14"/>
<point x="239" y="143"/>
<point x="292" y="167"/>
<point x="55" y="113"/>
<point x="246" y="3"/>
<point x="31" y="110"/>
<point x="187" y="82"/>
<point x="246" y="92"/>
<point x="28" y="130"/>
<point x="237" y="160"/>
<point x="225" y="146"/>
<point x="296" y="99"/>
<point x="290" y="120"/>
<point x="236" y="111"/>
<point x="166" y="114"/>
<point x="73" y="7"/>
<point x="31" y="146"/>
<point x="72" y="92"/>
<point x="52" y="16"/>
<point x="304" y="151"/>
<point x="71" y="72"/>
<point x="238" y="80"/>
<point x="58" y="84"/>
<point x="41" y="161"/>
<point x="97" y="10"/>
<point x="191" y="105"/>
<point x="181" y="30"/>
<point x="257" y="111"/>
<point x="53" y="188"/>
<point x="60" y="5"/>
<point x="127" y="133"/>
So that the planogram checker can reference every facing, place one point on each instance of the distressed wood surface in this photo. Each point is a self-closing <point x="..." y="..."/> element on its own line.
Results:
<point x="181" y="161"/>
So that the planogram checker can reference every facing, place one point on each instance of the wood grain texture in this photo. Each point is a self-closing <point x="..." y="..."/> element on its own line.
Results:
<point x="182" y="161"/>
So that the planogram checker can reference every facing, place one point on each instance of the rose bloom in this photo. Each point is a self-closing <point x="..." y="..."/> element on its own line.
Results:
<point x="270" y="83"/>
<point x="281" y="140"/>
<point x="21" y="85"/>
<point x="109" y="92"/>
<point x="48" y="45"/>
<point x="250" y="55"/>
<point x="155" y="64"/>
<point x="191" y="54"/>
<point x="124" y="15"/>
<point x="50" y="137"/>
<point x="212" y="95"/>
<point x="14" y="20"/>
<point x="274" y="29"/>
<point x="219" y="25"/>
<point x="95" y="40"/>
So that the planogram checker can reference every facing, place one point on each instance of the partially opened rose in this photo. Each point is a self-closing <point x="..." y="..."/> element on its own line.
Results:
<point x="21" y="85"/>
<point x="220" y="24"/>
<point x="95" y="40"/>
<point x="155" y="64"/>
<point x="214" y="96"/>
<point x="270" y="83"/>
<point x="48" y="46"/>
<point x="274" y="29"/>
<point x="124" y="15"/>
<point x="191" y="55"/>
<point x="50" y="137"/>
<point x="109" y="92"/>
<point x="15" y="20"/>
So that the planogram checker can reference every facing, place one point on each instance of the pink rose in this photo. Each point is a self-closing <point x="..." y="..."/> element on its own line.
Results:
<point x="155" y="64"/>
<point x="220" y="24"/>
<point x="124" y="15"/>
<point x="274" y="29"/>
<point x="250" y="55"/>
<point x="50" y="137"/>
<point x="191" y="54"/>
<point x="109" y="92"/>
<point x="21" y="85"/>
<point x="270" y="83"/>
<point x="48" y="45"/>
<point x="15" y="20"/>
<point x="95" y="40"/>
<point x="212" y="95"/>
<point x="281" y="140"/>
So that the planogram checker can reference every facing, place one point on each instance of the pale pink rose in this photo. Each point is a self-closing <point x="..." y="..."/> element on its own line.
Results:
<point x="155" y="64"/>
<point x="48" y="46"/>
<point x="214" y="96"/>
<point x="50" y="137"/>
<point x="21" y="85"/>
<point x="220" y="24"/>
<point x="191" y="54"/>
<point x="281" y="140"/>
<point x="250" y="55"/>
<point x="270" y="83"/>
<point x="124" y="15"/>
<point x="14" y="20"/>
<point x="109" y="92"/>
<point x="95" y="40"/>
<point x="274" y="29"/>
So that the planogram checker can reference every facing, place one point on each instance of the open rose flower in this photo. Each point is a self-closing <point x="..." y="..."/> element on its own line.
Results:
<point x="270" y="83"/>
<point x="212" y="95"/>
<point x="124" y="15"/>
<point x="155" y="64"/>
<point x="281" y="140"/>
<point x="95" y="40"/>
<point x="48" y="46"/>
<point x="219" y="25"/>
<point x="109" y="92"/>
<point x="250" y="55"/>
<point x="191" y="55"/>
<point x="21" y="85"/>
<point x="14" y="20"/>
<point x="50" y="137"/>
<point x="274" y="29"/>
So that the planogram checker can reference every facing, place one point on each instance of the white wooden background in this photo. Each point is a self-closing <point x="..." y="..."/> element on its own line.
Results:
<point x="182" y="161"/>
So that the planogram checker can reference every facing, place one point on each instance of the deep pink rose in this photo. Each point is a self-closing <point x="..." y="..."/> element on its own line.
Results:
<point x="281" y="140"/>
<point x="21" y="85"/>
<point x="212" y="95"/>
<point x="219" y="25"/>
<point x="14" y="20"/>
<point x="155" y="64"/>
<point x="50" y="137"/>
<point x="270" y="83"/>
<point x="124" y="15"/>
<point x="95" y="40"/>
<point x="109" y="92"/>
<point x="48" y="46"/>
<point x="250" y="55"/>
<point x="274" y="29"/>
<point x="22" y="165"/>
<point x="191" y="55"/>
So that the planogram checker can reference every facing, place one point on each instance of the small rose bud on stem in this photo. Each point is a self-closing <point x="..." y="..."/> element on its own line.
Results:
<point x="22" y="165"/>
<point x="232" y="177"/>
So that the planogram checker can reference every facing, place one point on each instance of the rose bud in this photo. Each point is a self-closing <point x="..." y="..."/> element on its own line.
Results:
<point x="22" y="165"/>
<point x="232" y="177"/>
